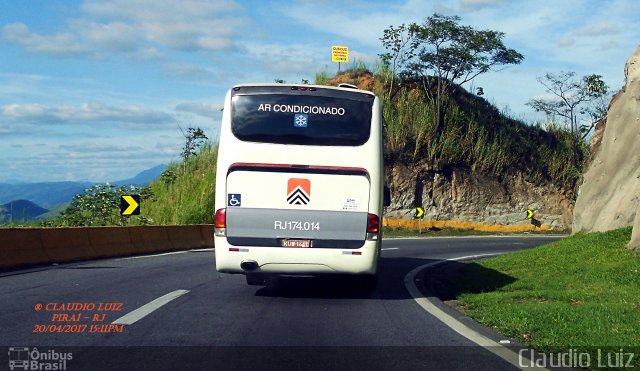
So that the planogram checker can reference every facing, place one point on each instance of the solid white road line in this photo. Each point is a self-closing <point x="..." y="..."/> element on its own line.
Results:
<point x="478" y="236"/>
<point x="166" y="253"/>
<point x="136" y="315"/>
<point x="459" y="327"/>
<point x="390" y="248"/>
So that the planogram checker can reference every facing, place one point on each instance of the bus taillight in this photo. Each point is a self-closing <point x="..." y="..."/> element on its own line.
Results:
<point x="220" y="222"/>
<point x="373" y="226"/>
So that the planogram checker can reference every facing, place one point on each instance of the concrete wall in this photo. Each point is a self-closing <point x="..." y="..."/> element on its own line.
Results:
<point x="34" y="246"/>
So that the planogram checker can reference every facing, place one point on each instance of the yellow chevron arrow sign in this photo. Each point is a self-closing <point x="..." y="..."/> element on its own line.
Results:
<point x="130" y="205"/>
<point x="529" y="213"/>
<point x="419" y="213"/>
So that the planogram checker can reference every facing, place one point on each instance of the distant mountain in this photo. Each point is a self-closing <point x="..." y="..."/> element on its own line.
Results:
<point x="20" y="211"/>
<point x="143" y="178"/>
<point x="52" y="194"/>
<point x="45" y="194"/>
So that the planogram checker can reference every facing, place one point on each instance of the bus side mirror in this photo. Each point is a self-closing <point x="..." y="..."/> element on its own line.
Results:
<point x="387" y="196"/>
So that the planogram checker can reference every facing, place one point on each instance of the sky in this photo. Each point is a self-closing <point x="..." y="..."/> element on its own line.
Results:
<point x="97" y="90"/>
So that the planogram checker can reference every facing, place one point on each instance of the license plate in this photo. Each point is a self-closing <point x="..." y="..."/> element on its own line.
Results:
<point x="296" y="243"/>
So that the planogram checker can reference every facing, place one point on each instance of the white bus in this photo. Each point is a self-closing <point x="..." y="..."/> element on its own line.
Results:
<point x="299" y="184"/>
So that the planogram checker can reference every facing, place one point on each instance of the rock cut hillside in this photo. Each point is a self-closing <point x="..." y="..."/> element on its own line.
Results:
<point x="609" y="197"/>
<point x="463" y="180"/>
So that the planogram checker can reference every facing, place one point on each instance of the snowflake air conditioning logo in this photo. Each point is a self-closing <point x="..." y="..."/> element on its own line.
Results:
<point x="300" y="120"/>
<point x="298" y="191"/>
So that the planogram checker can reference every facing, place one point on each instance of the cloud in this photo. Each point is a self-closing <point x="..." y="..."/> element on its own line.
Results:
<point x="368" y="59"/>
<point x="114" y="36"/>
<point x="88" y="113"/>
<point x="60" y="44"/>
<point x="566" y="41"/>
<point x="288" y="61"/>
<point x="149" y="54"/>
<point x="138" y="28"/>
<point x="98" y="148"/>
<point x="474" y="5"/>
<point x="185" y="25"/>
<point x="157" y="10"/>
<point x="204" y="109"/>
<point x="8" y="129"/>
<point x="600" y="29"/>
<point x="364" y="27"/>
<point x="189" y="71"/>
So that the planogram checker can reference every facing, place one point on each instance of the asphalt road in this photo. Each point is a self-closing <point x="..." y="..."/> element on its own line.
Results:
<point x="194" y="317"/>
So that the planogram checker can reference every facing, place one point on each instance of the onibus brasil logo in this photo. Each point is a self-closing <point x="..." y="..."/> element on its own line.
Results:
<point x="25" y="358"/>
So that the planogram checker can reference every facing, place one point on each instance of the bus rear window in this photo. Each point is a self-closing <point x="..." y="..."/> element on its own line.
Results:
<point x="301" y="119"/>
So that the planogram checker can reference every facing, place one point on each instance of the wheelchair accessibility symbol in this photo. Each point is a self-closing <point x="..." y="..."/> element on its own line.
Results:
<point x="234" y="199"/>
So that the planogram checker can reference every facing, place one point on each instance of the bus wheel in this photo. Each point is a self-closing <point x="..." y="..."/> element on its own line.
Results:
<point x="254" y="279"/>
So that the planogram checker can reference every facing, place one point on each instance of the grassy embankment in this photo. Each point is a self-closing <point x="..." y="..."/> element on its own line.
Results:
<point x="580" y="293"/>
<point x="189" y="197"/>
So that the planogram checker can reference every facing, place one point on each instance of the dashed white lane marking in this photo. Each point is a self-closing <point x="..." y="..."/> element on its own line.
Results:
<point x="138" y="314"/>
<point x="390" y="248"/>
<point x="457" y="326"/>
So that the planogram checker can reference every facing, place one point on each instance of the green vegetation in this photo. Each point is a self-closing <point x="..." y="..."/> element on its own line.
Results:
<point x="100" y="206"/>
<point x="581" y="292"/>
<point x="475" y="133"/>
<point x="184" y="194"/>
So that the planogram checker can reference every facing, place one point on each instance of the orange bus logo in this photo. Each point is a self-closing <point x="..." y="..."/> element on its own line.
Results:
<point x="298" y="191"/>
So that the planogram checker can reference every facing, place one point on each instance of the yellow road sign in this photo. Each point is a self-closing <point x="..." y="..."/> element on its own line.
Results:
<point x="529" y="213"/>
<point x="130" y="205"/>
<point x="340" y="54"/>
<point x="419" y="213"/>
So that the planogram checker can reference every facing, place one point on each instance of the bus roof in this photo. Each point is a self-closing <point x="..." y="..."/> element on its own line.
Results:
<point x="300" y="86"/>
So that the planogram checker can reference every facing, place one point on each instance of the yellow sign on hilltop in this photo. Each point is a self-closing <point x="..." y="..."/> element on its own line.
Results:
<point x="340" y="54"/>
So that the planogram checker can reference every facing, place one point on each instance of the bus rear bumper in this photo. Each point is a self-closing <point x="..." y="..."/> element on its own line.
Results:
<point x="280" y="260"/>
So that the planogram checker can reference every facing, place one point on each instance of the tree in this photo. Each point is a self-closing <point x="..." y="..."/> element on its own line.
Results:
<point x="194" y="140"/>
<point x="397" y="40"/>
<point x="572" y="99"/>
<point x="442" y="53"/>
